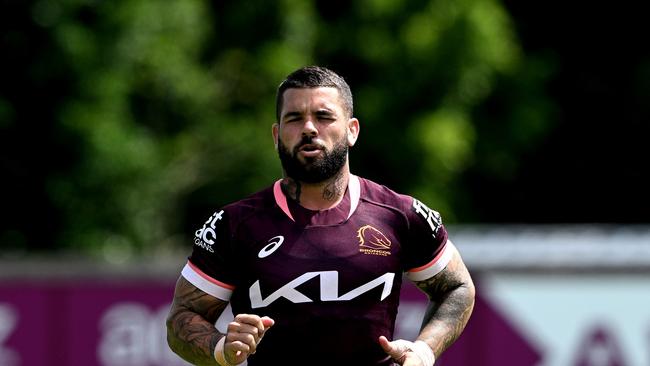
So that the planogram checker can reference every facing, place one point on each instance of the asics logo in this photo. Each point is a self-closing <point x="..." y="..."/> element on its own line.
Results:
<point x="274" y="244"/>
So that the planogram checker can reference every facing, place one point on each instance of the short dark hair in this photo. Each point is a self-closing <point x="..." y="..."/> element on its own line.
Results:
<point x="314" y="77"/>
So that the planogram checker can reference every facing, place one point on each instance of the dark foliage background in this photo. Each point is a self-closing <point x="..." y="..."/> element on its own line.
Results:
<point x="124" y="124"/>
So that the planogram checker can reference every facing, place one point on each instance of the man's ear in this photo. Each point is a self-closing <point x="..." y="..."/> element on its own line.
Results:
<point x="275" y="130"/>
<point x="353" y="131"/>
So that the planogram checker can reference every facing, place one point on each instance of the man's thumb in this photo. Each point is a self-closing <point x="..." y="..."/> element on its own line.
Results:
<point x="396" y="349"/>
<point x="385" y="344"/>
<point x="267" y="322"/>
<point x="389" y="348"/>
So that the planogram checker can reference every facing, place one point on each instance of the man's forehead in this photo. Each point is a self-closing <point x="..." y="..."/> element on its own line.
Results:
<point x="308" y="100"/>
<point x="328" y="96"/>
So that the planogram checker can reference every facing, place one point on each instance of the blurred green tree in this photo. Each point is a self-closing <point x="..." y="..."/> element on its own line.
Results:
<point x="444" y="89"/>
<point x="171" y="103"/>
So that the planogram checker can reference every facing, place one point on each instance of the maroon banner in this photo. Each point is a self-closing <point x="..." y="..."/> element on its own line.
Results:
<point x="108" y="323"/>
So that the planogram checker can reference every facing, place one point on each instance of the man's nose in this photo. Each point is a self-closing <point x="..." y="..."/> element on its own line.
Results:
<point x="309" y="128"/>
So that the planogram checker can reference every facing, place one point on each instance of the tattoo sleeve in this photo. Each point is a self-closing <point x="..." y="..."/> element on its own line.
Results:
<point x="451" y="301"/>
<point x="190" y="325"/>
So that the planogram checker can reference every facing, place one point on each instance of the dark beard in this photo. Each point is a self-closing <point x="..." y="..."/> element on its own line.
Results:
<point x="314" y="170"/>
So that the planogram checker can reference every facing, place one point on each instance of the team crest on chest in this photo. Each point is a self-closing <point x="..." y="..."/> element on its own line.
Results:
<point x="372" y="241"/>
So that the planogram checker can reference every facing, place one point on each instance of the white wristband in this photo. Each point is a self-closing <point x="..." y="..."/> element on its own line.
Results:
<point x="425" y="353"/>
<point x="420" y="348"/>
<point x="219" y="353"/>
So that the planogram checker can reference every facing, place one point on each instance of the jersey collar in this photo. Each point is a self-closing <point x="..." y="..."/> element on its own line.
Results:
<point x="354" y="188"/>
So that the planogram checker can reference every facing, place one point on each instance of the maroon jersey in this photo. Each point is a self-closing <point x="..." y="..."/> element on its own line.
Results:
<point x="330" y="279"/>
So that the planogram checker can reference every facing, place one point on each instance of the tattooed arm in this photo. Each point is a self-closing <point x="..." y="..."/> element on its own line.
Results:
<point x="190" y="325"/>
<point x="451" y="301"/>
<point x="192" y="335"/>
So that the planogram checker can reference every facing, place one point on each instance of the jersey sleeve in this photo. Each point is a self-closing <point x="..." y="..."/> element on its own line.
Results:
<point x="208" y="266"/>
<point x="428" y="251"/>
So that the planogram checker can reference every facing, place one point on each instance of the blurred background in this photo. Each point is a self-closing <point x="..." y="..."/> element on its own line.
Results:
<point x="124" y="124"/>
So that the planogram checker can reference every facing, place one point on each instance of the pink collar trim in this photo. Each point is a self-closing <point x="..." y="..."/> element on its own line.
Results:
<point x="354" y="186"/>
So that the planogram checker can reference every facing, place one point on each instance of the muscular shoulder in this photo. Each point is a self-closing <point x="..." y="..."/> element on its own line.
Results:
<point x="415" y="211"/>
<point x="382" y="195"/>
<point x="241" y="210"/>
<point x="225" y="220"/>
<point x="221" y="227"/>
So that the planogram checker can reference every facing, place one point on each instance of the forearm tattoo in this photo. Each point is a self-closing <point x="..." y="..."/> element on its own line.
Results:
<point x="190" y="326"/>
<point x="451" y="295"/>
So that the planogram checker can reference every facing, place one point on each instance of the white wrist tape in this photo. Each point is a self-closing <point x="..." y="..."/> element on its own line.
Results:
<point x="219" y="353"/>
<point x="425" y="353"/>
<point x="420" y="348"/>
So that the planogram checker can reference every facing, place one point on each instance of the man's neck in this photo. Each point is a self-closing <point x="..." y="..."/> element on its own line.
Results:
<point x="317" y="196"/>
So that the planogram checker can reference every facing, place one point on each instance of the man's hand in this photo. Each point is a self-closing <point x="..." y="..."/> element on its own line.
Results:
<point x="244" y="333"/>
<point x="408" y="353"/>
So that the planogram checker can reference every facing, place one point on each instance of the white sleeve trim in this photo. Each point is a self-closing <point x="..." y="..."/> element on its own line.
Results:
<point x="435" y="266"/>
<point x="206" y="283"/>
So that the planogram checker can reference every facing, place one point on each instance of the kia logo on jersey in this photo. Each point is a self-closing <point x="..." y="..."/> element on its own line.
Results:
<point x="329" y="289"/>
